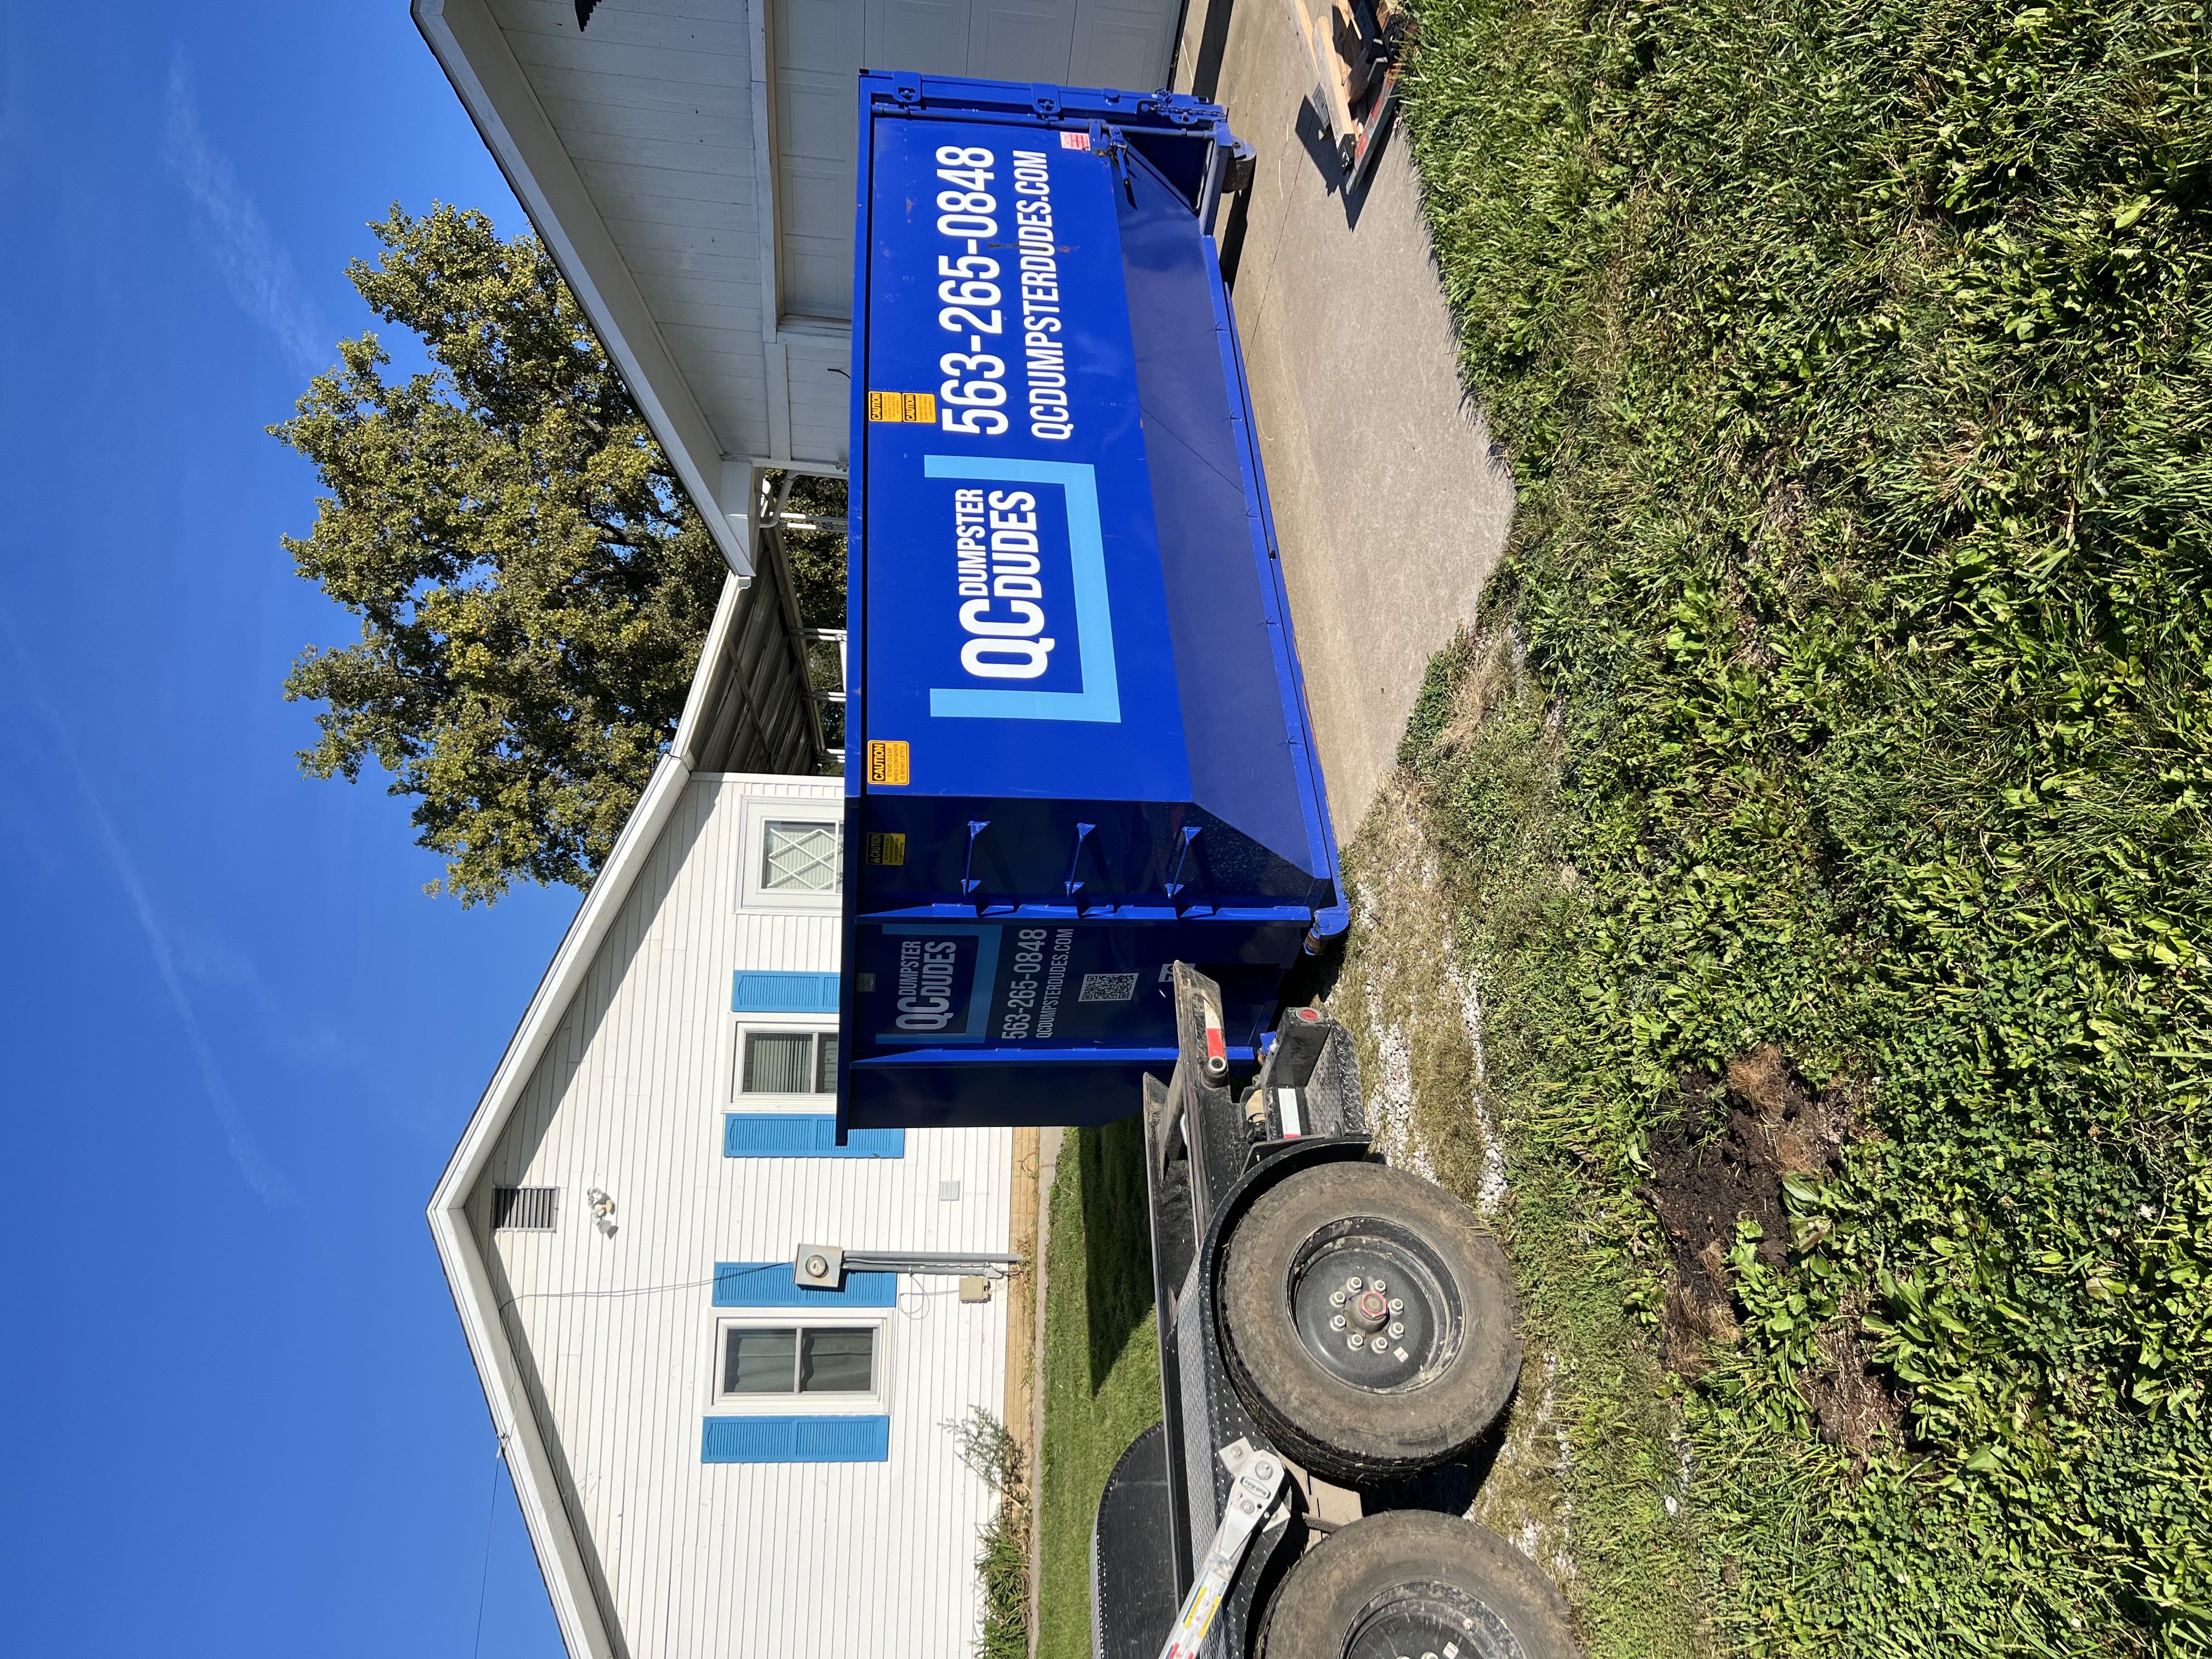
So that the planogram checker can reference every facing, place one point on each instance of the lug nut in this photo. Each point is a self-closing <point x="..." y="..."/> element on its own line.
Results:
<point x="1397" y="1328"/>
<point x="1336" y="1322"/>
<point x="1352" y="1283"/>
<point x="1377" y="1284"/>
<point x="1335" y="1298"/>
<point x="1397" y="1305"/>
<point x="1357" y="1340"/>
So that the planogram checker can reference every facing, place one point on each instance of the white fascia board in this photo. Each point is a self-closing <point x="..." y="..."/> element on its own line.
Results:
<point x="536" y="1488"/>
<point x="474" y="53"/>
<point x="695" y="704"/>
<point x="551" y="1534"/>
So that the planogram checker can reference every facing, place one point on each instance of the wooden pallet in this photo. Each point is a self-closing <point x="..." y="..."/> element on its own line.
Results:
<point x="1354" y="47"/>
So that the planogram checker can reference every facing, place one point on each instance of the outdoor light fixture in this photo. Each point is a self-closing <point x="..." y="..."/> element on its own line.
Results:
<point x="603" y="1213"/>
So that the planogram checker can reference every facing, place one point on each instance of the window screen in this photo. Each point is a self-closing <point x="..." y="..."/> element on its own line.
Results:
<point x="838" y="1362"/>
<point x="798" y="857"/>
<point x="785" y="1063"/>
<point x="784" y="1360"/>
<point x="759" y="1362"/>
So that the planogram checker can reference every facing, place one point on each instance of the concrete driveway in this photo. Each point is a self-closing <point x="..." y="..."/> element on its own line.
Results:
<point x="1390" y="508"/>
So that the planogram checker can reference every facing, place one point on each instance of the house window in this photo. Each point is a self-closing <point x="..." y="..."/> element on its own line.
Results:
<point x="797" y="857"/>
<point x="789" y="1063"/>
<point x="787" y="1360"/>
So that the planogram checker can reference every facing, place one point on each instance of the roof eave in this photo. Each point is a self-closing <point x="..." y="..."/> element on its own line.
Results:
<point x="469" y="45"/>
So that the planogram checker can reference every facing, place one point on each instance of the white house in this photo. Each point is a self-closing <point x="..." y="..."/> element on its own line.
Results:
<point x="691" y="164"/>
<point x="712" y="1460"/>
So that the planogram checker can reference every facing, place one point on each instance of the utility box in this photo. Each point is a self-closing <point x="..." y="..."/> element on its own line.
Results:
<point x="1078" y="743"/>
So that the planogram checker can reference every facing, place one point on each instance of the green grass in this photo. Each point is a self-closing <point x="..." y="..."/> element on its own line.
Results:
<point x="1849" y="362"/>
<point x="1102" y="1362"/>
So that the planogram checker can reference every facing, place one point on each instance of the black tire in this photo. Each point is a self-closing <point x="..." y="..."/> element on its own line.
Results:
<point x="1358" y="1418"/>
<point x="1412" y="1581"/>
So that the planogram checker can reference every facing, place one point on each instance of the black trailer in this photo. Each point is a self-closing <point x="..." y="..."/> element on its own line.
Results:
<point x="1330" y="1329"/>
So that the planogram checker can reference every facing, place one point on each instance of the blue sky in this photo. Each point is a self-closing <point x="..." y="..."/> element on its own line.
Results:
<point x="240" y="1418"/>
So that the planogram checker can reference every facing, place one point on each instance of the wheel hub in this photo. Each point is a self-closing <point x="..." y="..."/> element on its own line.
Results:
<point x="1370" y="1307"/>
<point x="1370" y="1310"/>
<point x="1431" y="1620"/>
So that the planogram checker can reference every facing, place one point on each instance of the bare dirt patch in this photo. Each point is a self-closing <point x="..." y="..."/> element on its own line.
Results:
<point x="1852" y="1405"/>
<point x="1705" y="1181"/>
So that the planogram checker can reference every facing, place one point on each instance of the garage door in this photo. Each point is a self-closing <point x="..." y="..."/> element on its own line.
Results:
<point x="819" y="47"/>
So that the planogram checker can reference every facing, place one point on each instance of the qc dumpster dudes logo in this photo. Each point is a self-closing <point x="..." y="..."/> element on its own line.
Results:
<point x="926" y="970"/>
<point x="931" y="983"/>
<point x="1006" y="577"/>
<point x="995" y="551"/>
<point x="937" y="983"/>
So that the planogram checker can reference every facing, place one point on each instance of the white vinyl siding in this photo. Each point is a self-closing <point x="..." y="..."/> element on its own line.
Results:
<point x="628" y="1096"/>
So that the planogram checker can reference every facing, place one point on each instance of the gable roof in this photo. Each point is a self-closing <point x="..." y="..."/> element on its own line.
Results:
<point x="587" y="1627"/>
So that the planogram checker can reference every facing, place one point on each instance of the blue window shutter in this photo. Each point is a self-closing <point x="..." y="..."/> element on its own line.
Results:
<point x="796" y="1440"/>
<point x="803" y="1135"/>
<point x="844" y="1439"/>
<point x="763" y="991"/>
<point x="768" y="1284"/>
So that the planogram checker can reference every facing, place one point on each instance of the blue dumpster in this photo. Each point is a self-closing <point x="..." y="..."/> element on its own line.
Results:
<point x="1078" y="748"/>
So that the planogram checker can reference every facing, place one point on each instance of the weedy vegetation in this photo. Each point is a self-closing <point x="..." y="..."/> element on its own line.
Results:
<point x="1002" y="1555"/>
<point x="1824" y="797"/>
<point x="1587" y="1476"/>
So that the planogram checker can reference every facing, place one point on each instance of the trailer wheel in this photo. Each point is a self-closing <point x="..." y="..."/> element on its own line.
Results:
<point x="1415" y="1582"/>
<point x="1368" y="1324"/>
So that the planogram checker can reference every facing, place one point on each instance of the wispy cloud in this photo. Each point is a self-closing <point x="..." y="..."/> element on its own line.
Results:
<point x="314" y="1043"/>
<point x="254" y="265"/>
<point x="269" y="1182"/>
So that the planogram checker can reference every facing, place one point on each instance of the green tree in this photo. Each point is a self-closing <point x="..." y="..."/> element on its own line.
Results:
<point x="532" y="584"/>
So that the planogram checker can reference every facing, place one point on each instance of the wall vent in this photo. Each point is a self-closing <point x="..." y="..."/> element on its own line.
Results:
<point x="525" y="1209"/>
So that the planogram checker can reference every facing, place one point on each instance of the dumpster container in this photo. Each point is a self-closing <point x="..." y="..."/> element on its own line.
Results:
<point x="1078" y="743"/>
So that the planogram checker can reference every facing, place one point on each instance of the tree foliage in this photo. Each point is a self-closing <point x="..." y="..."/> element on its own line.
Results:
<point x="532" y="584"/>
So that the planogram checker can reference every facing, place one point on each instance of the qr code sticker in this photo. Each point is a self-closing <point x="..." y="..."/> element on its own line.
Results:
<point x="1108" y="988"/>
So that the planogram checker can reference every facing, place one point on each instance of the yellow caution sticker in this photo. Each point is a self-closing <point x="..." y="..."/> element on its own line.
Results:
<point x="903" y="406"/>
<point x="887" y="849"/>
<point x="887" y="763"/>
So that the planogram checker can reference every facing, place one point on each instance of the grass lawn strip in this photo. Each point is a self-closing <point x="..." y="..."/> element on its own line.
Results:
<point x="1102" y="1362"/>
